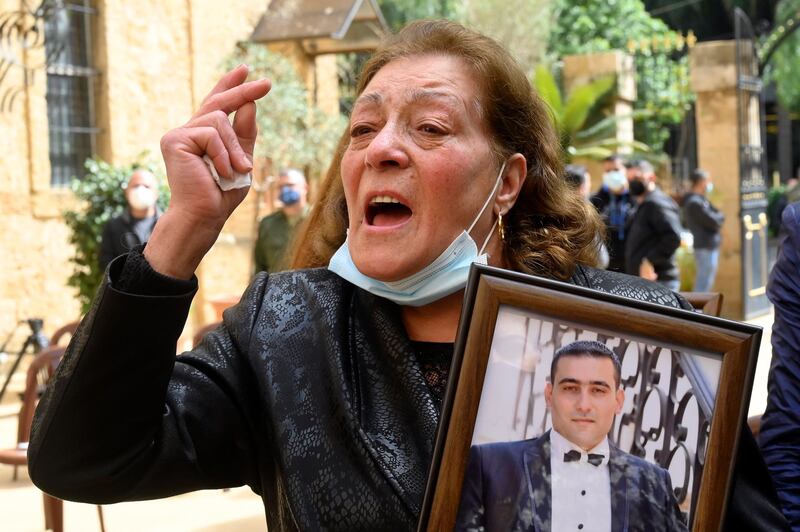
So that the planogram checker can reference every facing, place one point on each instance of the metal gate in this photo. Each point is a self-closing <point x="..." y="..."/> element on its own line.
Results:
<point x="752" y="169"/>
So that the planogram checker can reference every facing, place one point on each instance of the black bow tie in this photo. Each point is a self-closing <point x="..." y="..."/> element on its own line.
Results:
<point x="574" y="456"/>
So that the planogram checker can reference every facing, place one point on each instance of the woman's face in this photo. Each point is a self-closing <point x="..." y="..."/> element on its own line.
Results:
<point x="419" y="165"/>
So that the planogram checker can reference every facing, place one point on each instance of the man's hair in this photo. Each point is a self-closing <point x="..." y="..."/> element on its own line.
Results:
<point x="698" y="175"/>
<point x="641" y="164"/>
<point x="294" y="173"/>
<point x="139" y="170"/>
<point x="549" y="230"/>
<point x="588" y="348"/>
<point x="575" y="175"/>
<point x="613" y="158"/>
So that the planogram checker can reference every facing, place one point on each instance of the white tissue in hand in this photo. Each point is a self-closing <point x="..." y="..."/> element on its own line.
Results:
<point x="238" y="181"/>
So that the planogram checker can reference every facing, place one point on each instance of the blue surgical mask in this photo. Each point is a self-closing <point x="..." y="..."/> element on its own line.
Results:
<point x="445" y="275"/>
<point x="289" y="196"/>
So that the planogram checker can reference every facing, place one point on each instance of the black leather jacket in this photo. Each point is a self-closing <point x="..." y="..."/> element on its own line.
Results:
<point x="309" y="393"/>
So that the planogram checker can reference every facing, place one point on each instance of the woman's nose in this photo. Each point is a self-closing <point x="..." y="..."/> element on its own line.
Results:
<point x="387" y="149"/>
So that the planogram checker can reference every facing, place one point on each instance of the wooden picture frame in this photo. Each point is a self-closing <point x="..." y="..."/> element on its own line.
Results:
<point x="683" y="337"/>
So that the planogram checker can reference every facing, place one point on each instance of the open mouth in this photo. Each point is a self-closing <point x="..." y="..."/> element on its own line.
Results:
<point x="386" y="211"/>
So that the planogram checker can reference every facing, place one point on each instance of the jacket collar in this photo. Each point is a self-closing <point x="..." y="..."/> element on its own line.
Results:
<point x="385" y="372"/>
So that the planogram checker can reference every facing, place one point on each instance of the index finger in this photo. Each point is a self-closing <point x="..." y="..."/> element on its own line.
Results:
<point x="231" y="79"/>
<point x="232" y="99"/>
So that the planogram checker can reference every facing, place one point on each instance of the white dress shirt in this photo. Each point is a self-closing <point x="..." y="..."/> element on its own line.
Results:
<point x="581" y="492"/>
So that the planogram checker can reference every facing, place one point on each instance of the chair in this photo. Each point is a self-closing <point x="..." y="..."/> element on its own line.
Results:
<point x="68" y="329"/>
<point x="202" y="331"/>
<point x="39" y="373"/>
<point x="221" y="303"/>
<point x="706" y="302"/>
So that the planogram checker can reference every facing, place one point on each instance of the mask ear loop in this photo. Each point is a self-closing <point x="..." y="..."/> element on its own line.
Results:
<point x="486" y="204"/>
<point x="488" y="237"/>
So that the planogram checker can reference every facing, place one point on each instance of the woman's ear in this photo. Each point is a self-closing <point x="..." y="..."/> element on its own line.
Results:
<point x="513" y="179"/>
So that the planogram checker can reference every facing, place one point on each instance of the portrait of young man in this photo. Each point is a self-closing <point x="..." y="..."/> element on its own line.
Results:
<point x="571" y="477"/>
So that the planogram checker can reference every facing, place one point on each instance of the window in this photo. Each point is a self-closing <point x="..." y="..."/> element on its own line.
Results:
<point x="70" y="90"/>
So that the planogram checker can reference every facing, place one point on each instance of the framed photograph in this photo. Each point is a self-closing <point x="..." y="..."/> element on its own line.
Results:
<point x="678" y="383"/>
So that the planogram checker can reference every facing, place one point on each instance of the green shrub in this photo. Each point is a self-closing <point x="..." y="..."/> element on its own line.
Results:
<point x="102" y="195"/>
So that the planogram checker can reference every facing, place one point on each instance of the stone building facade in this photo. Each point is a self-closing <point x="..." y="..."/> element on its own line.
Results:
<point x="154" y="60"/>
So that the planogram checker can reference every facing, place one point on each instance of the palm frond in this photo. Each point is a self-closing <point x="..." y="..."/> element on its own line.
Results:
<point x="581" y="101"/>
<point x="546" y="86"/>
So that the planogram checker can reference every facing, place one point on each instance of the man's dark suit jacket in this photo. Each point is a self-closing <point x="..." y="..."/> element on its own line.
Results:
<point x="507" y="487"/>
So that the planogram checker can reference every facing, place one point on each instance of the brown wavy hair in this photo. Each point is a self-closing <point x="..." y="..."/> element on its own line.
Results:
<point x="550" y="229"/>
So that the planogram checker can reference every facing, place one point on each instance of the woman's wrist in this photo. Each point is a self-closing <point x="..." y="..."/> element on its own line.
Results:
<point x="178" y="244"/>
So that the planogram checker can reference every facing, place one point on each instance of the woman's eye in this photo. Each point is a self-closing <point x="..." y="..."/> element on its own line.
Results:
<point x="358" y="131"/>
<point x="431" y="129"/>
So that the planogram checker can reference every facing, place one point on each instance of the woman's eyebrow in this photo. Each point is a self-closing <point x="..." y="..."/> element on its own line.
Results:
<point x="423" y="95"/>
<point x="373" y="98"/>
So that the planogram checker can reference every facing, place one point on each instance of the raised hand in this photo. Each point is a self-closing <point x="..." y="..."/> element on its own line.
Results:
<point x="198" y="208"/>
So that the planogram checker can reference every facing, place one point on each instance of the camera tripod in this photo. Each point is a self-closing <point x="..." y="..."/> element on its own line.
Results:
<point x="36" y="340"/>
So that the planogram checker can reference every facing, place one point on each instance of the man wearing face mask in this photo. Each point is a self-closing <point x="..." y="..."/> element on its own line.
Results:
<point x="654" y="229"/>
<point x="614" y="204"/>
<point x="704" y="221"/>
<point x="134" y="226"/>
<point x="276" y="230"/>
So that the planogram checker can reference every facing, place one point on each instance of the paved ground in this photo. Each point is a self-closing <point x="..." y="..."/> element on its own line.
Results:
<point x="237" y="510"/>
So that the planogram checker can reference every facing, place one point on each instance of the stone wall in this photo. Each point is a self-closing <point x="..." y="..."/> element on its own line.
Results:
<point x="157" y="60"/>
<point x="713" y="78"/>
<point x="34" y="252"/>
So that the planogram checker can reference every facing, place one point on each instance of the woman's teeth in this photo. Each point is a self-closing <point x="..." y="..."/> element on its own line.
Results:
<point x="384" y="199"/>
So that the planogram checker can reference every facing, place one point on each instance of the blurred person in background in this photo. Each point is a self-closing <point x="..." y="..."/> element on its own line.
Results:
<point x="579" y="180"/>
<point x="653" y="230"/>
<point x="134" y="226"/>
<point x="614" y="204"/>
<point x="276" y="230"/>
<point x="705" y="222"/>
